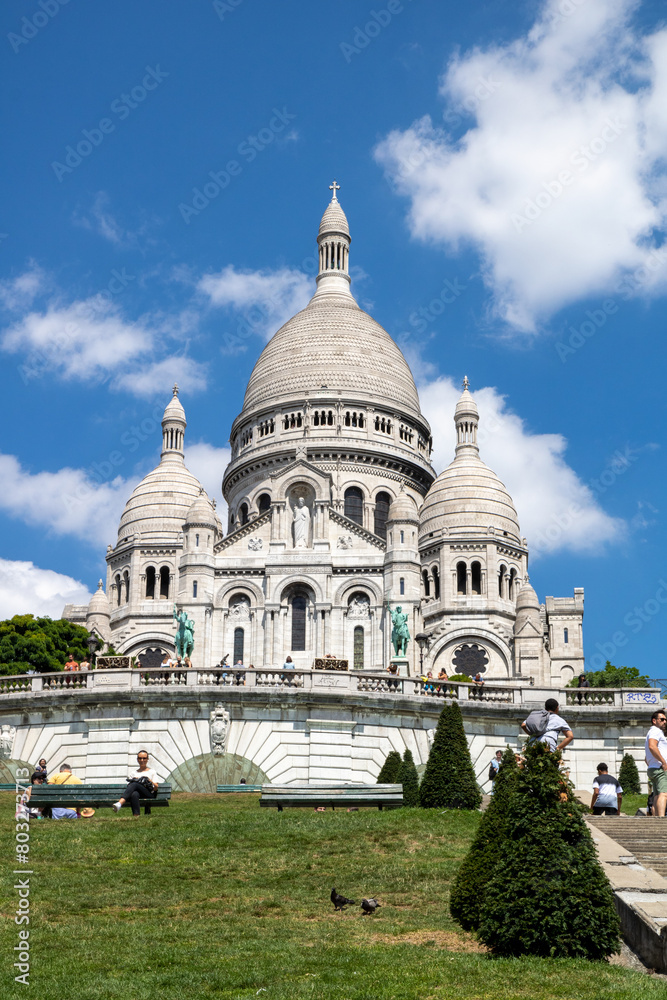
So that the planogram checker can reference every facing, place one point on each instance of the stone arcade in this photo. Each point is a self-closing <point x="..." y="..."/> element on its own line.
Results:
<point x="335" y="516"/>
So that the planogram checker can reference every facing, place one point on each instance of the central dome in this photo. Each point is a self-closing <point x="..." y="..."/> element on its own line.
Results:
<point x="333" y="343"/>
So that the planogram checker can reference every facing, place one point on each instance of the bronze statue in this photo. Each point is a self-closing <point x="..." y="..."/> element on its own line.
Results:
<point x="400" y="634"/>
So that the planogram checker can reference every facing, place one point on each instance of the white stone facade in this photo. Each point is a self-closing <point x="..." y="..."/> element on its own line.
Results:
<point x="335" y="516"/>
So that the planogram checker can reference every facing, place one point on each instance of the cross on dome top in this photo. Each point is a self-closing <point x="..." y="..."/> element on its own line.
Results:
<point x="334" y="187"/>
<point x="175" y="389"/>
<point x="466" y="383"/>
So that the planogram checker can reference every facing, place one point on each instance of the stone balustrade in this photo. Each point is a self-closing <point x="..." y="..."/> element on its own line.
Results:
<point x="350" y="682"/>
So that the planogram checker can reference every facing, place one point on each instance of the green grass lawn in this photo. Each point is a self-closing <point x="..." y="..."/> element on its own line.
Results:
<point x="215" y="897"/>
<point x="631" y="803"/>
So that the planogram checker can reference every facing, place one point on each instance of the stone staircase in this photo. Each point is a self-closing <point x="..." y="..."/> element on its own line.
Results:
<point x="643" y="836"/>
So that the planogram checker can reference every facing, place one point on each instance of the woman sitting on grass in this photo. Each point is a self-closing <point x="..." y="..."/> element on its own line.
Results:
<point x="142" y="785"/>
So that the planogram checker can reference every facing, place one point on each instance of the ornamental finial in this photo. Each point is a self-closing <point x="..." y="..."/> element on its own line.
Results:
<point x="175" y="388"/>
<point x="466" y="383"/>
<point x="334" y="187"/>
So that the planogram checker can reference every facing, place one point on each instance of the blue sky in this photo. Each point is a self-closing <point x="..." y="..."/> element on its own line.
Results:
<point x="503" y="172"/>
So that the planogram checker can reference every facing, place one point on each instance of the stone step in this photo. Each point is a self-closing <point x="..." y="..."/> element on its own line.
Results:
<point x="643" y="836"/>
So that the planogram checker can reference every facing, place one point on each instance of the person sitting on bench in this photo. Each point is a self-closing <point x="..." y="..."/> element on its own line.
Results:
<point x="64" y="777"/>
<point x="142" y="785"/>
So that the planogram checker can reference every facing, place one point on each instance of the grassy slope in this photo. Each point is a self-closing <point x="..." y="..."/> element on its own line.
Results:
<point x="217" y="898"/>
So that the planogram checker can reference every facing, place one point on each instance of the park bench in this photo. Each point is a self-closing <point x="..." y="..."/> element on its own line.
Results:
<point x="343" y="796"/>
<point x="95" y="796"/>
<point x="4" y="787"/>
<point x="239" y="788"/>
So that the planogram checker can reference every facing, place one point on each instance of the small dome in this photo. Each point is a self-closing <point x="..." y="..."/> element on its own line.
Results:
<point x="466" y="406"/>
<point x="201" y="513"/>
<point x="527" y="599"/>
<point x="174" y="409"/>
<point x="160" y="503"/>
<point x="334" y="220"/>
<point x="403" y="508"/>
<point x="466" y="499"/>
<point x="99" y="603"/>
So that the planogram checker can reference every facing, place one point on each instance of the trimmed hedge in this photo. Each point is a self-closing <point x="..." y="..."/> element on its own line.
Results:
<point x="486" y="849"/>
<point x="389" y="772"/>
<point x="548" y="895"/>
<point x="449" y="779"/>
<point x="408" y="777"/>
<point x="629" y="775"/>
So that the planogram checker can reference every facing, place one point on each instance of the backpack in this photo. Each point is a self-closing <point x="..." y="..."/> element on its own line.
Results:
<point x="493" y="771"/>
<point x="537" y="722"/>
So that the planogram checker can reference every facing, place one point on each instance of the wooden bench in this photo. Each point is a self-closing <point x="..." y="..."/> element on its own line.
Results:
<point x="95" y="796"/>
<point x="343" y="796"/>
<point x="4" y="787"/>
<point x="239" y="788"/>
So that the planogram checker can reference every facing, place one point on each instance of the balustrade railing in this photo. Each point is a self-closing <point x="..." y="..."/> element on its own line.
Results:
<point x="342" y="682"/>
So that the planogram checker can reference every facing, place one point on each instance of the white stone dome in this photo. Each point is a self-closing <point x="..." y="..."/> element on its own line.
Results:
<point x="333" y="343"/>
<point x="201" y="513"/>
<point x="160" y="503"/>
<point x="334" y="220"/>
<point x="527" y="599"/>
<point x="99" y="603"/>
<point x="469" y="498"/>
<point x="403" y="508"/>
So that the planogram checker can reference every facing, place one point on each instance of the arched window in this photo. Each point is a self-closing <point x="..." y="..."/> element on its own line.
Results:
<point x="196" y="541"/>
<point x="566" y="637"/>
<point x="126" y="582"/>
<point x="299" y="606"/>
<point x="194" y="588"/>
<point x="476" y="578"/>
<point x="382" y="502"/>
<point x="511" y="588"/>
<point x="426" y="582"/>
<point x="354" y="504"/>
<point x="264" y="502"/>
<point x="461" y="579"/>
<point x="502" y="572"/>
<point x="118" y="590"/>
<point x="164" y="582"/>
<point x="401" y="587"/>
<point x="358" y="647"/>
<point x="243" y="514"/>
<point x="239" y="636"/>
<point x="436" y="583"/>
<point x="150" y="582"/>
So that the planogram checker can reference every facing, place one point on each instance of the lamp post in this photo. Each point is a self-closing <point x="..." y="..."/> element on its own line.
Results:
<point x="93" y="644"/>
<point x="424" y="640"/>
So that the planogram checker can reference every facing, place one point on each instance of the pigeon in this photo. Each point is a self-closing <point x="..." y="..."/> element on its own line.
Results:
<point x="340" y="902"/>
<point x="369" y="906"/>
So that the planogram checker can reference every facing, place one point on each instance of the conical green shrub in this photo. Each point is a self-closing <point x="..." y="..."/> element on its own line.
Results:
<point x="449" y="779"/>
<point x="486" y="850"/>
<point x="629" y="776"/>
<point x="408" y="777"/>
<point x="548" y="895"/>
<point x="389" y="772"/>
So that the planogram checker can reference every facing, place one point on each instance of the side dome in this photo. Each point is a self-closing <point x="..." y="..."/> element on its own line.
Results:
<point x="468" y="498"/>
<point x="99" y="603"/>
<point x="403" y="508"/>
<point x="527" y="599"/>
<point x="201" y="513"/>
<point x="160" y="503"/>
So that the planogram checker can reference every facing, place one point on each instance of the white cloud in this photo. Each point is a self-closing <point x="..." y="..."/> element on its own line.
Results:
<point x="91" y="341"/>
<point x="208" y="464"/>
<point x="266" y="299"/>
<point x="557" y="511"/>
<point x="158" y="377"/>
<point x="68" y="502"/>
<point x="100" y="220"/>
<point x="583" y="93"/>
<point x="20" y="292"/>
<point x="27" y="589"/>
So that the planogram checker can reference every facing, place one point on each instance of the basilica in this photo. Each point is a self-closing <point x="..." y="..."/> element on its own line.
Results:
<point x="335" y="518"/>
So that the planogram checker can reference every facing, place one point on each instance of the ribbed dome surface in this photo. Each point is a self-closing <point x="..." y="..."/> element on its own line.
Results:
<point x="403" y="508"/>
<point x="527" y="599"/>
<point x="467" y="498"/>
<point x="334" y="220"/>
<point x="160" y="503"/>
<point x="99" y="603"/>
<point x="333" y="342"/>
<point x="202" y="512"/>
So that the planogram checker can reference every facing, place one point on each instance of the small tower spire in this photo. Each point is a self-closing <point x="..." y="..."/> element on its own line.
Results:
<point x="173" y="429"/>
<point x="333" y="241"/>
<point x="466" y="418"/>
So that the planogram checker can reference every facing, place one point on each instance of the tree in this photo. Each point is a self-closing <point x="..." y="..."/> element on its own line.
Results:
<point x="389" y="772"/>
<point x="548" y="895"/>
<point x="629" y="775"/>
<point x="449" y="779"/>
<point x="408" y="777"/>
<point x="41" y="644"/>
<point x="614" y="677"/>
<point x="486" y="849"/>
